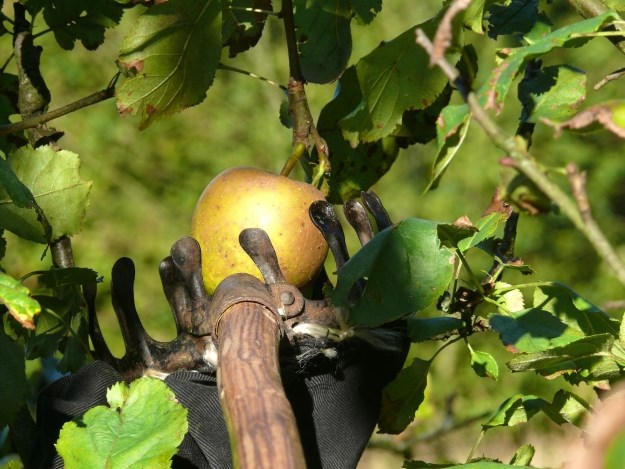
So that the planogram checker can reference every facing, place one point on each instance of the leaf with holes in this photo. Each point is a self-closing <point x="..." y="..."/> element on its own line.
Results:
<point x="169" y="59"/>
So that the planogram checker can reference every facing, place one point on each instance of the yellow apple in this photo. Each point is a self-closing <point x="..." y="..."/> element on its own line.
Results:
<point x="242" y="197"/>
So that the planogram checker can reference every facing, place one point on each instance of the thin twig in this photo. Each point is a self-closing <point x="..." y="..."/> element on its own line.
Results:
<point x="592" y="8"/>
<point x="608" y="78"/>
<point x="524" y="162"/>
<point x="37" y="120"/>
<point x="229" y="68"/>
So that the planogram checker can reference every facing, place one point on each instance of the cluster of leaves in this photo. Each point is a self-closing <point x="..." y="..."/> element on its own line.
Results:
<point x="386" y="100"/>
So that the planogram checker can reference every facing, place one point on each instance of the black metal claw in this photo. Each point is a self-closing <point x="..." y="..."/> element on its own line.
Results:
<point x="123" y="298"/>
<point x="359" y="220"/>
<point x="374" y="205"/>
<point x="323" y="216"/>
<point x="187" y="258"/>
<point x="177" y="295"/>
<point x="97" y="338"/>
<point x="256" y="243"/>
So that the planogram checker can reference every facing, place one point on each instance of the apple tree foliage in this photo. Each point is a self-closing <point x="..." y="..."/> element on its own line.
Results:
<point x="390" y="98"/>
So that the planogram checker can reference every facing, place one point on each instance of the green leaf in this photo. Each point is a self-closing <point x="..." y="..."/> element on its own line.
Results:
<point x="574" y="310"/>
<point x="242" y="29"/>
<point x="354" y="169"/>
<point x="486" y="226"/>
<point x="451" y="129"/>
<point x="517" y="16"/>
<point x="73" y="20"/>
<point x="532" y="330"/>
<point x="14" y="188"/>
<point x="406" y="269"/>
<point x="515" y="410"/>
<point x="484" y="365"/>
<point x="395" y="78"/>
<point x="420" y="126"/>
<point x="56" y="278"/>
<point x="422" y="329"/>
<point x="54" y="180"/>
<point x="568" y="406"/>
<point x="451" y="234"/>
<point x="13" y="386"/>
<point x="324" y="38"/>
<point x="496" y="87"/>
<point x="169" y="58"/>
<point x="16" y="297"/>
<point x="587" y="359"/>
<point x="474" y="16"/>
<point x="366" y="10"/>
<point x="403" y="396"/>
<point x="553" y="93"/>
<point x="142" y="427"/>
<point x="523" y="456"/>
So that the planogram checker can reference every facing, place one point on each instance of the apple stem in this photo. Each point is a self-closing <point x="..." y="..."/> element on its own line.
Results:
<point x="298" y="150"/>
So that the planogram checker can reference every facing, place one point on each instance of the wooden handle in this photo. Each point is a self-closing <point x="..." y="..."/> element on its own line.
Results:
<point x="261" y="424"/>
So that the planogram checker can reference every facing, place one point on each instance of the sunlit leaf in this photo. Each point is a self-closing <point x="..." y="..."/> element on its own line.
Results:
<point x="53" y="179"/>
<point x="484" y="365"/>
<point x="487" y="226"/>
<point x="554" y="93"/>
<point x="574" y="310"/>
<point x="523" y="456"/>
<point x="587" y="359"/>
<point x="532" y="330"/>
<point x="16" y="297"/>
<point x="395" y="78"/>
<point x="354" y="169"/>
<point x="451" y="129"/>
<point x="169" y="58"/>
<point x="498" y="84"/>
<point x="406" y="268"/>
<point x="141" y="427"/>
<point x="403" y="396"/>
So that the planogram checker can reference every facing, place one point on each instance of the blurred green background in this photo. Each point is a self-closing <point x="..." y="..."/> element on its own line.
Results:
<point x="146" y="183"/>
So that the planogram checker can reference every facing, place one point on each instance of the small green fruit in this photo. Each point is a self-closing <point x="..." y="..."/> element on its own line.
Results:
<point x="240" y="198"/>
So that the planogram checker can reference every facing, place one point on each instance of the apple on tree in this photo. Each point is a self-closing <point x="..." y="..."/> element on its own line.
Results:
<point x="243" y="197"/>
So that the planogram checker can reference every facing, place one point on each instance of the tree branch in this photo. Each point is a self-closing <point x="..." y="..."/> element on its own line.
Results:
<point x="592" y="8"/>
<point x="524" y="162"/>
<point x="29" y="122"/>
<point x="304" y="129"/>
